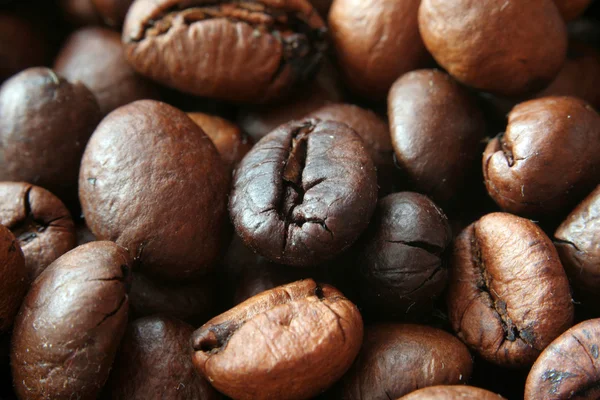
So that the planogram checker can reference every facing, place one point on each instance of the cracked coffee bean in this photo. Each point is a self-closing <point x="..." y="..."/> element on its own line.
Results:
<point x="154" y="361"/>
<point x="375" y="134"/>
<point x="45" y="122"/>
<point x="569" y="368"/>
<point x="40" y="222"/>
<point x="14" y="280"/>
<point x="95" y="57"/>
<point x="548" y="158"/>
<point x="69" y="327"/>
<point x="375" y="42"/>
<point x="251" y="51"/>
<point x="437" y="131"/>
<point x="397" y="359"/>
<point x="231" y="143"/>
<point x="400" y="268"/>
<point x="454" y="392"/>
<point x="508" y="295"/>
<point x="154" y="183"/>
<point x="571" y="9"/>
<point x="577" y="240"/>
<point x="290" y="342"/>
<point x="304" y="193"/>
<point x="530" y="42"/>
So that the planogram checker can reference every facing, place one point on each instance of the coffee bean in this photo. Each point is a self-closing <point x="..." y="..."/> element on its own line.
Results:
<point x="304" y="193"/>
<point x="508" y="295"/>
<point x="70" y="324"/>
<point x="153" y="182"/>
<point x="455" y="392"/>
<point x="397" y="359"/>
<point x="290" y="342"/>
<point x="40" y="222"/>
<point x="237" y="51"/>
<point x="568" y="367"/>
<point x="14" y="280"/>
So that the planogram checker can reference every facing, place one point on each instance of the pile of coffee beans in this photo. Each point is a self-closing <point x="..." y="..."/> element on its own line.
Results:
<point x="299" y="199"/>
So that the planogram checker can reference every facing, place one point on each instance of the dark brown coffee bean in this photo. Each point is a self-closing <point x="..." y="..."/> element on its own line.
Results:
<point x="154" y="360"/>
<point x="304" y="193"/>
<point x="578" y="245"/>
<point x="191" y="302"/>
<point x="400" y="268"/>
<point x="569" y="367"/>
<point x="545" y="139"/>
<point x="233" y="50"/>
<point x="95" y="57"/>
<point x="69" y="327"/>
<point x="40" y="222"/>
<point x="231" y="143"/>
<point x="14" y="279"/>
<point x="375" y="134"/>
<point x="45" y="122"/>
<point x="112" y="12"/>
<point x="571" y="9"/>
<point x="153" y="182"/>
<point x="375" y="42"/>
<point x="437" y="130"/>
<point x="290" y="342"/>
<point x="398" y="359"/>
<point x="456" y="392"/>
<point x="508" y="295"/>
<point x="530" y="42"/>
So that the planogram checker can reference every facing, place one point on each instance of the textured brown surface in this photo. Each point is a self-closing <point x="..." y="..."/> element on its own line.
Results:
<point x="508" y="295"/>
<point x="153" y="182"/>
<point x="95" y="57"/>
<point x="238" y="51"/>
<point x="456" y="392"/>
<point x="569" y="367"/>
<point x="290" y="342"/>
<point x="396" y="359"/>
<point x="375" y="42"/>
<point x="71" y="322"/>
<point x="304" y="193"/>
<point x="154" y="362"/>
<point x="40" y="221"/>
<point x="546" y="139"/>
<point x="14" y="279"/>
<point x="45" y="122"/>
<point x="504" y="47"/>
<point x="437" y="130"/>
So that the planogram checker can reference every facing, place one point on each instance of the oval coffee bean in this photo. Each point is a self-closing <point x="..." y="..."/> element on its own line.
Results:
<point x="508" y="295"/>
<point x="456" y="392"/>
<point x="290" y="342"/>
<point x="69" y="327"/>
<point x="304" y="193"/>
<point x="14" y="279"/>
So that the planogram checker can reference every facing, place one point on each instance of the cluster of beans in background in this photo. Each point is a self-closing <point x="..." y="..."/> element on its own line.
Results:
<point x="294" y="199"/>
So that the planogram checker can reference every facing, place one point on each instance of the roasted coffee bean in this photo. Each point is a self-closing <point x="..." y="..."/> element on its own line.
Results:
<point x="153" y="182"/>
<point x="530" y="42"/>
<point x="569" y="367"/>
<point x="290" y="342"/>
<point x="233" y="50"/>
<point x="14" y="279"/>
<point x="571" y="9"/>
<point x="45" y="122"/>
<point x="456" y="392"/>
<point x="40" y="222"/>
<point x="69" y="327"/>
<point x="154" y="361"/>
<point x="401" y="270"/>
<point x="191" y="302"/>
<point x="437" y="130"/>
<point x="375" y="134"/>
<point x="578" y="245"/>
<point x="95" y="57"/>
<point x="548" y="158"/>
<point x="397" y="359"/>
<point x="508" y="295"/>
<point x="375" y="42"/>
<point x="304" y="193"/>
<point x="231" y="143"/>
